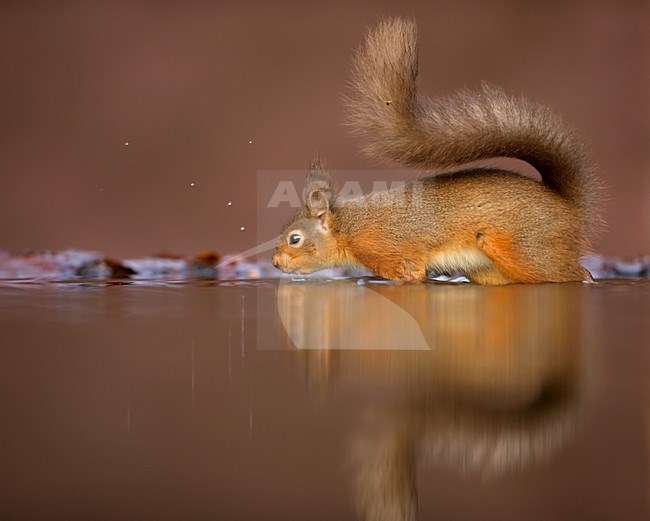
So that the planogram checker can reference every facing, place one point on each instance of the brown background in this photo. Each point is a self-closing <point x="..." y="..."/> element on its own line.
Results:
<point x="189" y="84"/>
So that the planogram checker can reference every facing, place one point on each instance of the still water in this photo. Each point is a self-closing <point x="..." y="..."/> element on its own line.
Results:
<point x="324" y="400"/>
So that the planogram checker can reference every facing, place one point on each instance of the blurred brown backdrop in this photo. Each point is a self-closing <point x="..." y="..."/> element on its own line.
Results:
<point x="189" y="84"/>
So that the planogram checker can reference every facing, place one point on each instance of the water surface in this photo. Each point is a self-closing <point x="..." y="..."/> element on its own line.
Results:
<point x="324" y="400"/>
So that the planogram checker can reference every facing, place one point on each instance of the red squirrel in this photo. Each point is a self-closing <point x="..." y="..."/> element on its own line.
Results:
<point x="495" y="226"/>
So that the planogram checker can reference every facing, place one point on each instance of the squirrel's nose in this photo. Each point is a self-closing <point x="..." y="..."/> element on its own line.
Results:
<point x="275" y="260"/>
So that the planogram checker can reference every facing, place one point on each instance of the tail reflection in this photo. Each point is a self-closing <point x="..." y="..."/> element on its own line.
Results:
<point x="499" y="388"/>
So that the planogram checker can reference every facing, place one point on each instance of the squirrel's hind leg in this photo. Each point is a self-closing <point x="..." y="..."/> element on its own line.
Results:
<point x="510" y="265"/>
<point x="525" y="265"/>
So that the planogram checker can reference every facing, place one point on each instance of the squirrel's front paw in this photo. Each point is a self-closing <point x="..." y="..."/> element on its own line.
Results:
<point x="407" y="271"/>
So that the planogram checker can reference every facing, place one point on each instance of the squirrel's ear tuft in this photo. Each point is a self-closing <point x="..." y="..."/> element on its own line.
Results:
<point x="318" y="194"/>
<point x="319" y="166"/>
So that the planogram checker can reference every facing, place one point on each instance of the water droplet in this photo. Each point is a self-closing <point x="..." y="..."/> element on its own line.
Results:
<point x="126" y="143"/>
<point x="191" y="184"/>
<point x="250" y="141"/>
<point x="242" y="228"/>
<point x="229" y="203"/>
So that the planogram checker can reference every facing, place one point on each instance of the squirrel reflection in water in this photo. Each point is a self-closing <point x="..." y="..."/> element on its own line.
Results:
<point x="496" y="383"/>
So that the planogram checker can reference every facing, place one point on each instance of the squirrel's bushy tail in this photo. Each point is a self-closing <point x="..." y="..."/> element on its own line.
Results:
<point x="395" y="122"/>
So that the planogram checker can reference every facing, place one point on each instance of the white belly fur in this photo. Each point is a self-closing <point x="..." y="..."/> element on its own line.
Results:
<point x="464" y="260"/>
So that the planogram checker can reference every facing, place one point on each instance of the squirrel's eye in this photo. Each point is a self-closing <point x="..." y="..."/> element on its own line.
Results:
<point x="294" y="238"/>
